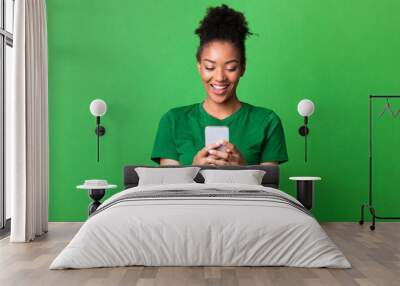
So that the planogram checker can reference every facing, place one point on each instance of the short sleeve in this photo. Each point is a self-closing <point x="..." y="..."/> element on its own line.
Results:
<point x="274" y="145"/>
<point x="164" y="144"/>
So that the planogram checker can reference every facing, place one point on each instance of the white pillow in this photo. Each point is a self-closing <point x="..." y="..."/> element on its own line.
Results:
<point x="162" y="176"/>
<point x="248" y="177"/>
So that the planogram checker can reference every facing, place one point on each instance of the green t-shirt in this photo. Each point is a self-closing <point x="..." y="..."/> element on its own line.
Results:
<point x="255" y="131"/>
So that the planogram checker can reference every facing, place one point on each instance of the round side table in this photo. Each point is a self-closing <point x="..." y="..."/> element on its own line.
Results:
<point x="96" y="193"/>
<point x="305" y="190"/>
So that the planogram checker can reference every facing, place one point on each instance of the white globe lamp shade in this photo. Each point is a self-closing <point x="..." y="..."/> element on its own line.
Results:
<point x="305" y="107"/>
<point x="98" y="107"/>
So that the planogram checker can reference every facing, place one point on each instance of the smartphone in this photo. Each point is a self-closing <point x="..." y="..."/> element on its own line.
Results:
<point x="213" y="134"/>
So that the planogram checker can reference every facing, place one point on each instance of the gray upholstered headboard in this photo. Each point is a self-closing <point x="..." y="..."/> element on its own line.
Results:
<point x="271" y="177"/>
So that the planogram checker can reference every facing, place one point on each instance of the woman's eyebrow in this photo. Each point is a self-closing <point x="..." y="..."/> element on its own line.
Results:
<point x="232" y="61"/>
<point x="227" y="62"/>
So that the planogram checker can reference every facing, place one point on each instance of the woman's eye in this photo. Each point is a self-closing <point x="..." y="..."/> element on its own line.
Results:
<point x="228" y="69"/>
<point x="231" y="69"/>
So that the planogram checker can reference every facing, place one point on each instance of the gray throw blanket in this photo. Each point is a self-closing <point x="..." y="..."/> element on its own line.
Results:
<point x="202" y="194"/>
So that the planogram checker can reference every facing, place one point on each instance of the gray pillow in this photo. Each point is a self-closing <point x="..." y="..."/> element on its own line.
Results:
<point x="248" y="177"/>
<point x="162" y="176"/>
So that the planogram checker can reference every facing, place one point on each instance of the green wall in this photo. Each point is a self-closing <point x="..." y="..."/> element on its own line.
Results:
<point x="139" y="56"/>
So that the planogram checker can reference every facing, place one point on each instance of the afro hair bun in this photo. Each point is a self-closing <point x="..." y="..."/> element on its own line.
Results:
<point x="223" y="23"/>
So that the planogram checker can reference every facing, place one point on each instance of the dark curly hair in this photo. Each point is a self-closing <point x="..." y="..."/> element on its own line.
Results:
<point x="224" y="24"/>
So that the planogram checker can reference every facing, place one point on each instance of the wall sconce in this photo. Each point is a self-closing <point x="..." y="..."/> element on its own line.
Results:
<point x="98" y="108"/>
<point x="305" y="109"/>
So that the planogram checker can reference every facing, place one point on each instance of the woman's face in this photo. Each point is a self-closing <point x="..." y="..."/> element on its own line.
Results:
<point x="220" y="69"/>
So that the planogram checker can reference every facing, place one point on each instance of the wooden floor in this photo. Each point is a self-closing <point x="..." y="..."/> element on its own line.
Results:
<point x="375" y="257"/>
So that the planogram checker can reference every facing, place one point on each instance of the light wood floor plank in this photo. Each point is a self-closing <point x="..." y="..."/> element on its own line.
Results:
<point x="375" y="257"/>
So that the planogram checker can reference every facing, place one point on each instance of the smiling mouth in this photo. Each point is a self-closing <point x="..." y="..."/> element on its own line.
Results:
<point x="219" y="88"/>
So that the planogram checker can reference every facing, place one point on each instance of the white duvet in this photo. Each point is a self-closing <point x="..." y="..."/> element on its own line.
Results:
<point x="200" y="231"/>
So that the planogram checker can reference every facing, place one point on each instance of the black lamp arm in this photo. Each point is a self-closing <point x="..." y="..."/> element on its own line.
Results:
<point x="100" y="131"/>
<point x="303" y="131"/>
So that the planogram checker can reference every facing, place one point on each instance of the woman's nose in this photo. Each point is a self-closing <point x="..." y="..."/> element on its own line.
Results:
<point x="220" y="75"/>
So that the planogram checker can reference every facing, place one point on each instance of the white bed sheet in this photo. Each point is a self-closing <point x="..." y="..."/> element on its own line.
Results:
<point x="200" y="231"/>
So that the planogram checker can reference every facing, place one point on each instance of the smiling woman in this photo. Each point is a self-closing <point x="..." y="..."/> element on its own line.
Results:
<point x="255" y="133"/>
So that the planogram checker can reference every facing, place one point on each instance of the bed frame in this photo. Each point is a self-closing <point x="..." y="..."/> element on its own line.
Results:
<point x="270" y="179"/>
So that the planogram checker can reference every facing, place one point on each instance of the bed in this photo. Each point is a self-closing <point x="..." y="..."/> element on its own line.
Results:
<point x="198" y="224"/>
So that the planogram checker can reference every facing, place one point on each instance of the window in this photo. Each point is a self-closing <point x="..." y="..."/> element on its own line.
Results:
<point x="6" y="61"/>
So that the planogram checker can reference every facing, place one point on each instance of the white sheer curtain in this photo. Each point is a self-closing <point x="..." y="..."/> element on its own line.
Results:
<point x="27" y="124"/>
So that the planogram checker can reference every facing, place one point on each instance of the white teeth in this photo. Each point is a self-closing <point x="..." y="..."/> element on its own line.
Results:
<point x="219" y="86"/>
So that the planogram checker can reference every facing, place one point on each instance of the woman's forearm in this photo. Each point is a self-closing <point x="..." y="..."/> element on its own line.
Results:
<point x="168" y="162"/>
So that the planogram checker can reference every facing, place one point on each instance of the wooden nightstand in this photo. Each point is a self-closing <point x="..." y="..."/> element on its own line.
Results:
<point x="305" y="190"/>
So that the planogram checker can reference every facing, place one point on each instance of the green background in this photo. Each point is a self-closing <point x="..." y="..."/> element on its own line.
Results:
<point x="139" y="56"/>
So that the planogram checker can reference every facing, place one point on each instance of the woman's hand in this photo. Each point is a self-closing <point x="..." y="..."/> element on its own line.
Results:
<point x="228" y="155"/>
<point x="202" y="157"/>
